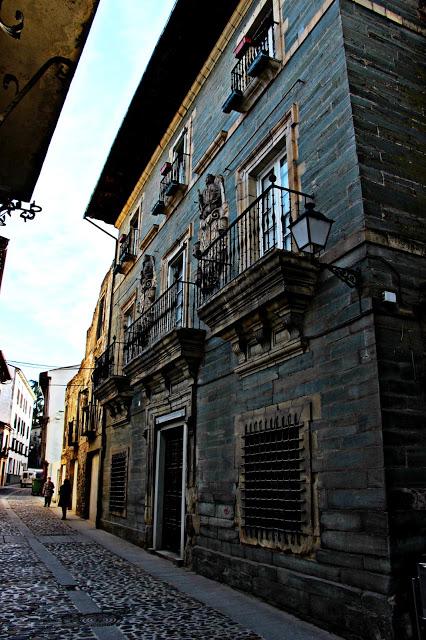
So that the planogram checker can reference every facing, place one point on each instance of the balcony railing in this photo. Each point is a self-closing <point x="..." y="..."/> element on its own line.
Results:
<point x="174" y="309"/>
<point x="263" y="226"/>
<point x="175" y="177"/>
<point x="108" y="364"/>
<point x="128" y="246"/>
<point x="249" y="65"/>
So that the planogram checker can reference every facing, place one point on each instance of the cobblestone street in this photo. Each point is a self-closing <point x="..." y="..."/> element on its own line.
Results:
<point x="59" y="582"/>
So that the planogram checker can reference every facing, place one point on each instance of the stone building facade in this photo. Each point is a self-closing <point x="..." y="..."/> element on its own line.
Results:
<point x="82" y="437"/>
<point x="265" y="407"/>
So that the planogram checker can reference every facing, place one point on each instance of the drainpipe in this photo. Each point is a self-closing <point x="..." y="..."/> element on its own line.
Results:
<point x="103" y="427"/>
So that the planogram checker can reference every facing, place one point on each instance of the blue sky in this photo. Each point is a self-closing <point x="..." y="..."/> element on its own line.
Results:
<point x="55" y="263"/>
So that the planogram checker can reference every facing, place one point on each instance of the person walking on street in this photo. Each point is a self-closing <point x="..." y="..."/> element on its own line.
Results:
<point x="65" y="497"/>
<point x="48" y="490"/>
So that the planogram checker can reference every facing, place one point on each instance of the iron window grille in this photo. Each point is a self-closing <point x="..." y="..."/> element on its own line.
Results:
<point x="118" y="483"/>
<point x="275" y="488"/>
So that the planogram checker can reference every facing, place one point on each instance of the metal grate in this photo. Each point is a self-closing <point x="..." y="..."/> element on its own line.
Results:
<point x="117" y="493"/>
<point x="273" y="468"/>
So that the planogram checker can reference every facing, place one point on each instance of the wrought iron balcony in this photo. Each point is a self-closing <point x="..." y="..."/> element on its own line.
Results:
<point x="108" y="365"/>
<point x="89" y="420"/>
<point x="128" y="247"/>
<point x="255" y="59"/>
<point x="175" y="178"/>
<point x="174" y="309"/>
<point x="263" y="226"/>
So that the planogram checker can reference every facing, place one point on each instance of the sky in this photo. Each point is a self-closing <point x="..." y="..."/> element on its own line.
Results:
<point x="55" y="263"/>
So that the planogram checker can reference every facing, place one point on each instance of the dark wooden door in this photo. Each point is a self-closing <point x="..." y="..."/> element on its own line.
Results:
<point x="172" y="496"/>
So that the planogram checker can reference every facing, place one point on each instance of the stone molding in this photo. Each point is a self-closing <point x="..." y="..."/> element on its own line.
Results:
<point x="261" y="311"/>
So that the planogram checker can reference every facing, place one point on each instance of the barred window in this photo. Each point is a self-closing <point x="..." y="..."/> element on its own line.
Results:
<point x="275" y="480"/>
<point x="118" y="483"/>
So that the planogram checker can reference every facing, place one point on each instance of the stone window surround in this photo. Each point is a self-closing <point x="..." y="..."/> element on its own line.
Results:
<point x="306" y="409"/>
<point x="118" y="451"/>
<point x="276" y="14"/>
<point x="181" y="244"/>
<point x="283" y="135"/>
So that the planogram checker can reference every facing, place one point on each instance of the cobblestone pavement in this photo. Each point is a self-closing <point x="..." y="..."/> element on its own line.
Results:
<point x="57" y="584"/>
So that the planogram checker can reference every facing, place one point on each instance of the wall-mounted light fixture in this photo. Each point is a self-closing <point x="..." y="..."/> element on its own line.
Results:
<point x="310" y="232"/>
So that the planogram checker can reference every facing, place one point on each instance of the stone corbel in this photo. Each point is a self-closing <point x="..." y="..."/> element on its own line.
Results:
<point x="239" y="343"/>
<point x="166" y="380"/>
<point x="119" y="408"/>
<point x="262" y="330"/>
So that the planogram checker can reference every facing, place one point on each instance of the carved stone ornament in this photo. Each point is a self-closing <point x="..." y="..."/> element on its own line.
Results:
<point x="213" y="211"/>
<point x="148" y="282"/>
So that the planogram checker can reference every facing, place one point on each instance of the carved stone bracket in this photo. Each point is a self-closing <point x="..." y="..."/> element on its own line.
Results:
<point x="119" y="409"/>
<point x="116" y="396"/>
<point x="261" y="312"/>
<point x="170" y="361"/>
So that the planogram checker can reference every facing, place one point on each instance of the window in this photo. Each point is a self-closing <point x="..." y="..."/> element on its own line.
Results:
<point x="276" y="490"/>
<point x="176" y="280"/>
<point x="129" y="242"/>
<point x="118" y="483"/>
<point x="274" y="206"/>
<point x="175" y="172"/>
<point x="101" y="318"/>
<point x="258" y="50"/>
<point x="268" y="181"/>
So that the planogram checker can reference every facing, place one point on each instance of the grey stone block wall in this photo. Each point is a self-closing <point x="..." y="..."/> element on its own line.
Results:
<point x="359" y="157"/>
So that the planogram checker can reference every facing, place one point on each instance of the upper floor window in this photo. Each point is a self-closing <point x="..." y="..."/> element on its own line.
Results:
<point x="274" y="218"/>
<point x="176" y="276"/>
<point x="101" y="318"/>
<point x="129" y="242"/>
<point x="175" y="173"/>
<point x="258" y="52"/>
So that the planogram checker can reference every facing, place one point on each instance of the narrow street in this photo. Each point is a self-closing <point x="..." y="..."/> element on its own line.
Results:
<point x="69" y="580"/>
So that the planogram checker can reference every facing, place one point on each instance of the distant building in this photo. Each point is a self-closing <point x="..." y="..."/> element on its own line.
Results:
<point x="83" y="415"/>
<point x="16" y="409"/>
<point x="53" y="384"/>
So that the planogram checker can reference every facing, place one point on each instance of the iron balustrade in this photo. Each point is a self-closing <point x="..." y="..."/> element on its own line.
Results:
<point x="128" y="247"/>
<point x="108" y="364"/>
<point x="176" y="176"/>
<point x="264" y="43"/>
<point x="263" y="226"/>
<point x="174" y="309"/>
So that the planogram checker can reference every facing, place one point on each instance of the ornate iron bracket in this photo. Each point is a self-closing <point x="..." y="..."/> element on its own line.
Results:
<point x="14" y="30"/>
<point x="351" y="277"/>
<point x="27" y="211"/>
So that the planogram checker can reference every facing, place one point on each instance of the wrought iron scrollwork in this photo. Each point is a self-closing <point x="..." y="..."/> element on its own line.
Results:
<point x="14" y="30"/>
<point x="64" y="66"/>
<point x="26" y="211"/>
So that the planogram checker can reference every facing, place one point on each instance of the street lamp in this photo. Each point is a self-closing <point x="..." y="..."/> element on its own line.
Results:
<point x="310" y="232"/>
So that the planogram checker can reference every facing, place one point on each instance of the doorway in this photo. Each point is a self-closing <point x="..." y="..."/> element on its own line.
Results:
<point x="169" y="513"/>
<point x="93" y="492"/>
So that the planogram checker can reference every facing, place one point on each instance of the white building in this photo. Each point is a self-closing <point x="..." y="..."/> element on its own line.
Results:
<point x="53" y="384"/>
<point x="16" y="410"/>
